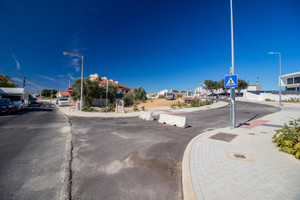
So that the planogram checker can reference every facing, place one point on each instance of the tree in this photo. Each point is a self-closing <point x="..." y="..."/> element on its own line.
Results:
<point x="128" y="99"/>
<point x="140" y="94"/>
<point x="222" y="85"/>
<point x="111" y="92"/>
<point x="241" y="86"/>
<point x="211" y="86"/>
<point x="6" y="82"/>
<point x="49" y="93"/>
<point x="176" y="91"/>
<point x="91" y="90"/>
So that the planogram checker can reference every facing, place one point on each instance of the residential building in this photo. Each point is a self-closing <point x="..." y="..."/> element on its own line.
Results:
<point x="291" y="82"/>
<point x="121" y="89"/>
<point x="61" y="94"/>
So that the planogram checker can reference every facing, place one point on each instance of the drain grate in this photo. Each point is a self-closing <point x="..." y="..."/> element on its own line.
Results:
<point x="239" y="156"/>
<point x="227" y="137"/>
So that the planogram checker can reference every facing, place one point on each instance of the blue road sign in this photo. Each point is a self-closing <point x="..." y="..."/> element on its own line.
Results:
<point x="231" y="81"/>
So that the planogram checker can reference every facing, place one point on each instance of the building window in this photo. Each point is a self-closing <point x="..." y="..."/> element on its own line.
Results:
<point x="297" y="80"/>
<point x="290" y="81"/>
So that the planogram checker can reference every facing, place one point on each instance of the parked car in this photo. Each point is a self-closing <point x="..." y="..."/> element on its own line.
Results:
<point x="18" y="105"/>
<point x="6" y="106"/>
<point x="32" y="100"/>
<point x="63" y="102"/>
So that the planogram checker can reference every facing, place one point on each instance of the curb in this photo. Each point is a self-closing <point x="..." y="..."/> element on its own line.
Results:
<point x="156" y="113"/>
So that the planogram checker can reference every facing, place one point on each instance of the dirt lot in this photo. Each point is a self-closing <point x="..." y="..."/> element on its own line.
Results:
<point x="157" y="104"/>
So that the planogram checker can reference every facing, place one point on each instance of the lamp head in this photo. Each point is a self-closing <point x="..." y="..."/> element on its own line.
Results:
<point x="65" y="53"/>
<point x="271" y="52"/>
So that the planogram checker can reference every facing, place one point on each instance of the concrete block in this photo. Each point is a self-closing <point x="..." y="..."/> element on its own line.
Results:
<point x="173" y="120"/>
<point x="146" y="116"/>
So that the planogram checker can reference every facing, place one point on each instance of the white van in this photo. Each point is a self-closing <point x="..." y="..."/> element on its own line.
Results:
<point x="170" y="96"/>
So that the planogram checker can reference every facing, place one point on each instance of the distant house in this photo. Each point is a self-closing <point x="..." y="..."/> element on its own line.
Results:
<point x="61" y="94"/>
<point x="121" y="89"/>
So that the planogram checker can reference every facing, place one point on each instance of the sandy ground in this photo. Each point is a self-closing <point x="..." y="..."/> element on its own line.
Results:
<point x="157" y="104"/>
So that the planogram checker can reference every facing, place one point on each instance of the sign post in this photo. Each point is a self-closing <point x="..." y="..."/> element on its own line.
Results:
<point x="70" y="90"/>
<point x="231" y="82"/>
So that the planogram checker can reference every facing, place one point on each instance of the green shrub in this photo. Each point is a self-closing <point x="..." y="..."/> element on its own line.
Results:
<point x="296" y="100"/>
<point x="288" y="138"/>
<point x="195" y="103"/>
<point x="128" y="99"/>
<point x="173" y="106"/>
<point x="135" y="108"/>
<point x="206" y="102"/>
<point x="268" y="99"/>
<point x="88" y="109"/>
<point x="179" y="105"/>
<point x="110" y="107"/>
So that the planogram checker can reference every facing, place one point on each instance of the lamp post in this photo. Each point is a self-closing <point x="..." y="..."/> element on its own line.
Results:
<point x="279" y="75"/>
<point x="81" y="89"/>
<point x="66" y="80"/>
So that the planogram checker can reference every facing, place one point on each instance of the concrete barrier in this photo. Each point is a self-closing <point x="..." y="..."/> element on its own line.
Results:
<point x="146" y="116"/>
<point x="173" y="120"/>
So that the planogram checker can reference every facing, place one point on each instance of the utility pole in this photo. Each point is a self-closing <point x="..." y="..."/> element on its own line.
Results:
<point x="24" y="81"/>
<point x="232" y="90"/>
<point x="106" y="94"/>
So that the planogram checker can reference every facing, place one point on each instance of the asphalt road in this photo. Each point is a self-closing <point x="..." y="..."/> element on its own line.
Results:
<point x="34" y="153"/>
<point x="134" y="159"/>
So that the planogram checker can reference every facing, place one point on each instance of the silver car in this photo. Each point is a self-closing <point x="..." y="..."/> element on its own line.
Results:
<point x="63" y="102"/>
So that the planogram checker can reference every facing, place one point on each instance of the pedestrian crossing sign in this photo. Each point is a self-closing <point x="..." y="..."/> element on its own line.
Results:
<point x="231" y="81"/>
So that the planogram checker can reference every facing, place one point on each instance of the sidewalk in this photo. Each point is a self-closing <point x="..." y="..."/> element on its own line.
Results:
<point x="70" y="111"/>
<point x="247" y="167"/>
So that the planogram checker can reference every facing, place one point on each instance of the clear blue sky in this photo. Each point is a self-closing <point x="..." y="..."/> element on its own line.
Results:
<point x="156" y="44"/>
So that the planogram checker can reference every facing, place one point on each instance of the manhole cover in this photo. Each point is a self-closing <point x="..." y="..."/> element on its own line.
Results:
<point x="227" y="137"/>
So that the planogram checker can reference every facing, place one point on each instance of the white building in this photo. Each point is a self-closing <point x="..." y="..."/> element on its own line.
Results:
<point x="291" y="82"/>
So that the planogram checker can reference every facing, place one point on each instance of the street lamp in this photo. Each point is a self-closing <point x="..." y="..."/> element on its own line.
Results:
<point x="81" y="89"/>
<point x="66" y="80"/>
<point x="278" y="53"/>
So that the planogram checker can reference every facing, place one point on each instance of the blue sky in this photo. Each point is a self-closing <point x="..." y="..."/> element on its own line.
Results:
<point x="156" y="44"/>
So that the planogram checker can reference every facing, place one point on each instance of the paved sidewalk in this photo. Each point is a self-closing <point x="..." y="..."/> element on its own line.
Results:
<point x="70" y="111"/>
<point x="248" y="167"/>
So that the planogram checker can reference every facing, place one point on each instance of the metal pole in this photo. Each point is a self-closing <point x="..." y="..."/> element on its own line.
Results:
<point x="232" y="90"/>
<point x="106" y="95"/>
<point x="279" y="79"/>
<point x="81" y="89"/>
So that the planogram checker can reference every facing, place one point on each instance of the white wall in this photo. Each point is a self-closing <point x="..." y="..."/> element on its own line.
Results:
<point x="273" y="97"/>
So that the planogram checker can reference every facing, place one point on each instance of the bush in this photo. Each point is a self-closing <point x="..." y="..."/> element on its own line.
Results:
<point x="135" y="108"/>
<point x="179" y="105"/>
<point x="173" y="106"/>
<point x="110" y="107"/>
<point x="288" y="138"/>
<point x="267" y="99"/>
<point x="206" y="102"/>
<point x="88" y="109"/>
<point x="128" y="99"/>
<point x="296" y="100"/>
<point x="195" y="103"/>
